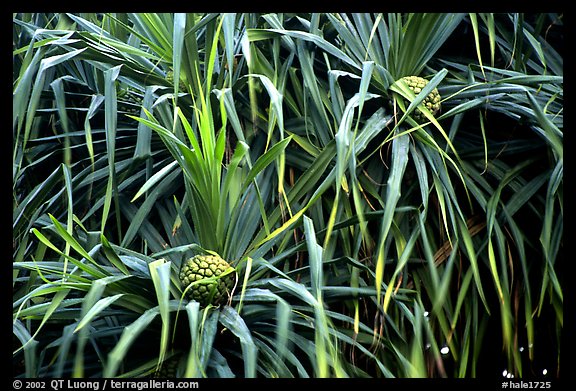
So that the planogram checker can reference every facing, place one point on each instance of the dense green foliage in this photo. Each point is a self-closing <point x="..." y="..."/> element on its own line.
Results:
<point x="366" y="243"/>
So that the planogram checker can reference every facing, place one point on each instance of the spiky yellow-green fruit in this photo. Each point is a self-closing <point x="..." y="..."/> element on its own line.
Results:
<point x="170" y="368"/>
<point x="170" y="80"/>
<point x="208" y="279"/>
<point x="431" y="102"/>
<point x="129" y="101"/>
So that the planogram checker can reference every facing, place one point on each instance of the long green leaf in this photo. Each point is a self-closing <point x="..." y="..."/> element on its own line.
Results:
<point x="234" y="322"/>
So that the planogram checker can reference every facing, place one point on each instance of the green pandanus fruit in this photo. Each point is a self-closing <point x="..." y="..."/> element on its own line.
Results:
<point x="208" y="279"/>
<point x="431" y="102"/>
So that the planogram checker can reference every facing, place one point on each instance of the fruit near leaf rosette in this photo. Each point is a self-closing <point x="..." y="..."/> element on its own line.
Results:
<point x="170" y="80"/>
<point x="432" y="100"/>
<point x="208" y="279"/>
<point x="169" y="368"/>
<point x="129" y="101"/>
